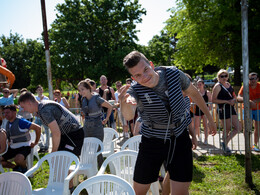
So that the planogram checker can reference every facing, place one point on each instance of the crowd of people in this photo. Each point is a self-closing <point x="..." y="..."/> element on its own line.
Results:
<point x="160" y="103"/>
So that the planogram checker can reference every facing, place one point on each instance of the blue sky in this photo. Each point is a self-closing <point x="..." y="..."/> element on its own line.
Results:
<point x="25" y="18"/>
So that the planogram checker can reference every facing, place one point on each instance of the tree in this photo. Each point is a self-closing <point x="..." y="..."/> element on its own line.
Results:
<point x="209" y="34"/>
<point x="90" y="38"/>
<point x="23" y="59"/>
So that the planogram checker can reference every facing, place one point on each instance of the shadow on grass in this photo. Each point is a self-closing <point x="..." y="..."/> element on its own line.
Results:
<point x="198" y="175"/>
<point x="255" y="160"/>
<point x="255" y="163"/>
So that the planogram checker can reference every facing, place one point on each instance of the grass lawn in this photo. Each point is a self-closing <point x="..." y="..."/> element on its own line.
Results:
<point x="211" y="175"/>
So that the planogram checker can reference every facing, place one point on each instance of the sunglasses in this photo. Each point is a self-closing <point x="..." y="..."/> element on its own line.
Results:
<point x="223" y="76"/>
<point x="253" y="78"/>
<point x="6" y="92"/>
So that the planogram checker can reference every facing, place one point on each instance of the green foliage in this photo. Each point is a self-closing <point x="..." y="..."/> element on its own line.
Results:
<point x="90" y="38"/>
<point x="24" y="59"/>
<point x="209" y="34"/>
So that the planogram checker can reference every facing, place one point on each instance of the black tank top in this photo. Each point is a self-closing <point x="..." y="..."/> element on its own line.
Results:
<point x="108" y="97"/>
<point x="225" y="94"/>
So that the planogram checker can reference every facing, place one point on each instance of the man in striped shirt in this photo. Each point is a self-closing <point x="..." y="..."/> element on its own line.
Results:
<point x="158" y="95"/>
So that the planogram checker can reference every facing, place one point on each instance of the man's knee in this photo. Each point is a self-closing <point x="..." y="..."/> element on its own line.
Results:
<point x="141" y="189"/>
<point x="19" y="158"/>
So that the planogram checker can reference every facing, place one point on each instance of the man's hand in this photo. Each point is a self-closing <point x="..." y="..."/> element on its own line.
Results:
<point x="125" y="97"/>
<point x="194" y="142"/>
<point x="33" y="144"/>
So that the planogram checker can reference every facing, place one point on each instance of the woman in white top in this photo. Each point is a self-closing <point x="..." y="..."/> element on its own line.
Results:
<point x="61" y="100"/>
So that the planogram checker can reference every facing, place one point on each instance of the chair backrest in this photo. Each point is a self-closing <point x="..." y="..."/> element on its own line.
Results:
<point x="15" y="183"/>
<point x="132" y="143"/>
<point x="33" y="136"/>
<point x="105" y="184"/>
<point x="91" y="148"/>
<point x="59" y="163"/>
<point x="121" y="164"/>
<point x="110" y="136"/>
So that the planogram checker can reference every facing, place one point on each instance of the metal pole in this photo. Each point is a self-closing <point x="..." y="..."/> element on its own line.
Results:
<point x="245" y="61"/>
<point x="47" y="52"/>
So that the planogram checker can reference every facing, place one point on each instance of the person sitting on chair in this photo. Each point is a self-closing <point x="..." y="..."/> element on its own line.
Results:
<point x="17" y="130"/>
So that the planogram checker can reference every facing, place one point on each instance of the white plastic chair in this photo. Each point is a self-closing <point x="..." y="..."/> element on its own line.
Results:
<point x="59" y="163"/>
<point x="110" y="137"/>
<point x="91" y="148"/>
<point x="132" y="143"/>
<point x="34" y="150"/>
<point x="104" y="185"/>
<point x="15" y="183"/>
<point x="121" y="164"/>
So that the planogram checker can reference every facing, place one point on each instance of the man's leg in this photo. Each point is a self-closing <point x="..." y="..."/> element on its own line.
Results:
<point x="141" y="189"/>
<point x="256" y="132"/>
<point x="19" y="160"/>
<point x="47" y="133"/>
<point x="179" y="188"/>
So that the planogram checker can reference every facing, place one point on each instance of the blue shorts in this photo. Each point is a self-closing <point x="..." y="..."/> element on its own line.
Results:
<point x="255" y="115"/>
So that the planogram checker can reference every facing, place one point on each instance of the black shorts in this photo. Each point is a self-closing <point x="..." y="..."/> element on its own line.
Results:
<point x="11" y="153"/>
<point x="225" y="112"/>
<point x="191" y="114"/>
<point x="72" y="142"/>
<point x="198" y="112"/>
<point x="153" y="153"/>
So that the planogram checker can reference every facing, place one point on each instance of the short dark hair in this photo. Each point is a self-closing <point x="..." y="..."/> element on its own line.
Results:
<point x="26" y="96"/>
<point x="11" y="107"/>
<point x="23" y="90"/>
<point x="133" y="58"/>
<point x="38" y="86"/>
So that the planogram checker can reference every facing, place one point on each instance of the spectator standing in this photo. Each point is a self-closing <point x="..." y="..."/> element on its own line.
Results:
<point x="8" y="99"/>
<point x="223" y="94"/>
<point x="254" y="99"/>
<point x="207" y="96"/>
<point x="107" y="93"/>
<point x="61" y="100"/>
<point x="120" y="115"/>
<point x="44" y="147"/>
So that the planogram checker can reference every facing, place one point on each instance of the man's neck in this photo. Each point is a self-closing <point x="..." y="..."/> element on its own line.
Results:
<point x="104" y="86"/>
<point x="12" y="120"/>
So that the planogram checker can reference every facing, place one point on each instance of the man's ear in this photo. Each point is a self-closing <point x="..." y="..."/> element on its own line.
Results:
<point x="151" y="63"/>
<point x="133" y="78"/>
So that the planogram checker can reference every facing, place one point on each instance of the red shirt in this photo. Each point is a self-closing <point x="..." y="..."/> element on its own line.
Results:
<point x="253" y="93"/>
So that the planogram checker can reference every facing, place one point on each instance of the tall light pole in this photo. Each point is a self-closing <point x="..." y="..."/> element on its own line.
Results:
<point x="245" y="61"/>
<point x="47" y="51"/>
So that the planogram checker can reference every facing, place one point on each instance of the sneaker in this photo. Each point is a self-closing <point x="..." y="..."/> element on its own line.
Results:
<point x="24" y="170"/>
<point x="17" y="168"/>
<point x="255" y="148"/>
<point x="228" y="151"/>
<point x="206" y="142"/>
